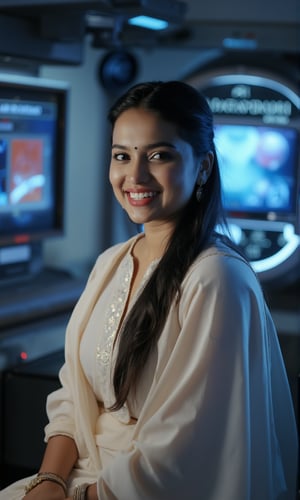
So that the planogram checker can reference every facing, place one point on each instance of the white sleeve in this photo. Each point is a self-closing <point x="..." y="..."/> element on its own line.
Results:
<point x="61" y="407"/>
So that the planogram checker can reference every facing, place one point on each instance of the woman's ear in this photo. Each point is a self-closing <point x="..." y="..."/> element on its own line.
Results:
<point x="205" y="168"/>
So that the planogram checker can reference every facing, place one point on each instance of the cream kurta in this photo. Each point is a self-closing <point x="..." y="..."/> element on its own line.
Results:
<point x="213" y="416"/>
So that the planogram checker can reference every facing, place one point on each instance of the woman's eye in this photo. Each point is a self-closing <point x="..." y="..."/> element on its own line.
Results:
<point x="160" y="155"/>
<point x="120" y="156"/>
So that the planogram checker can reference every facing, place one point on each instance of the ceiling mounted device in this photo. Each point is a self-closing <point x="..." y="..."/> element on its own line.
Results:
<point x="54" y="30"/>
<point x="135" y="22"/>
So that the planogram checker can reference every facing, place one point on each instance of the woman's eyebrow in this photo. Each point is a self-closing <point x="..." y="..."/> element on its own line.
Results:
<point x="160" y="144"/>
<point x="153" y="145"/>
<point x="118" y="146"/>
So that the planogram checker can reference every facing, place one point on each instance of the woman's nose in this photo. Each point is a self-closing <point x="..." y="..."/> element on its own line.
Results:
<point x="139" y="171"/>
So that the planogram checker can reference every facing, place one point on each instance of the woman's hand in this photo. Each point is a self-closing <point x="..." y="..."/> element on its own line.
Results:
<point x="90" y="494"/>
<point x="47" y="490"/>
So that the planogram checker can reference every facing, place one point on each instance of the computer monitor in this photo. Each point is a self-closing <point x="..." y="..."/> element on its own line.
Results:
<point x="259" y="168"/>
<point x="33" y="115"/>
<point x="33" y="127"/>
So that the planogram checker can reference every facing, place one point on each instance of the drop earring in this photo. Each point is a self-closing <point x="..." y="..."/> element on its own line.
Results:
<point x="199" y="192"/>
<point x="200" y="185"/>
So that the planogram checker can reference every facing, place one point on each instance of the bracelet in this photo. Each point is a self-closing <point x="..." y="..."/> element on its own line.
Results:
<point x="80" y="491"/>
<point x="46" y="476"/>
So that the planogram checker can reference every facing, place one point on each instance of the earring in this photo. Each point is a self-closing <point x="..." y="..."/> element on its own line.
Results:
<point x="200" y="185"/>
<point x="199" y="192"/>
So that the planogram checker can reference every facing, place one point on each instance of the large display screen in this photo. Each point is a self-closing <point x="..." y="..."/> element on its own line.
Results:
<point x="32" y="155"/>
<point x="258" y="167"/>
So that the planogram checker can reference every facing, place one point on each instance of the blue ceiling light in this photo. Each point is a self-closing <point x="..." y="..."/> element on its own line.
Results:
<point x="147" y="22"/>
<point x="155" y="15"/>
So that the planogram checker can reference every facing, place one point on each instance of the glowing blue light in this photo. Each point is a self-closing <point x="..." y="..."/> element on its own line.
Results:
<point x="240" y="43"/>
<point x="293" y="243"/>
<point x="147" y="22"/>
<point x="273" y="261"/>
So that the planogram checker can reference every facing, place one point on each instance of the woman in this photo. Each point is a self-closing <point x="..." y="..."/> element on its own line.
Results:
<point x="173" y="385"/>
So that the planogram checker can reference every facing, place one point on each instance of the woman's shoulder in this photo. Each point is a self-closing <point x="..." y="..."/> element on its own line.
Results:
<point x="221" y="251"/>
<point x="220" y="275"/>
<point x="221" y="263"/>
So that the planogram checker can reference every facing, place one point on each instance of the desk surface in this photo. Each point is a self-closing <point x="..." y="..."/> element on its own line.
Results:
<point x="49" y="292"/>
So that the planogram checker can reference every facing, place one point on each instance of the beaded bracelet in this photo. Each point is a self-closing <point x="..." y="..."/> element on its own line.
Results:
<point x="80" y="491"/>
<point x="46" y="476"/>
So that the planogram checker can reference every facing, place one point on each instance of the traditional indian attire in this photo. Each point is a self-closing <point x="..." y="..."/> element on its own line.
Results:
<point x="212" y="417"/>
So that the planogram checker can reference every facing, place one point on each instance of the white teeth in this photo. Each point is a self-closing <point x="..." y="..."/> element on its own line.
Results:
<point x="141" y="196"/>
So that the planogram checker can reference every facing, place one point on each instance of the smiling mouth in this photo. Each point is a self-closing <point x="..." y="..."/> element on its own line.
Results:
<point x="141" y="196"/>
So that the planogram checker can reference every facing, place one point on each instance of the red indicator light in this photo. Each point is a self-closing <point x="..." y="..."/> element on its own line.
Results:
<point x="23" y="355"/>
<point x="21" y="238"/>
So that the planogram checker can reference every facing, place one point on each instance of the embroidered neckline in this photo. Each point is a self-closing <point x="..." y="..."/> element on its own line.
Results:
<point x="112" y="321"/>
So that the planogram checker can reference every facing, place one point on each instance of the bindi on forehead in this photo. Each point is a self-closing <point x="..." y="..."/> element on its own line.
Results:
<point x="136" y="148"/>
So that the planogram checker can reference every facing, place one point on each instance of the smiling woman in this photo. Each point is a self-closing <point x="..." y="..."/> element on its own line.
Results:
<point x="153" y="171"/>
<point x="174" y="384"/>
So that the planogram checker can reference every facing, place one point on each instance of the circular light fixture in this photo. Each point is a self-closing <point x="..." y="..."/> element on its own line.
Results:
<point x="117" y="70"/>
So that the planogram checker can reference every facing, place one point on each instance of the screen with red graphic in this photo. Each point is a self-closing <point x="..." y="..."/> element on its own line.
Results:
<point x="32" y="156"/>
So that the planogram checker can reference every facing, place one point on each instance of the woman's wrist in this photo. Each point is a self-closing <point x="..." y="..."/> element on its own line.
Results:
<point x="49" y="477"/>
<point x="46" y="489"/>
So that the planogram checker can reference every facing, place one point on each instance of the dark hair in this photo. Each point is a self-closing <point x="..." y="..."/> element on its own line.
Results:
<point x="185" y="107"/>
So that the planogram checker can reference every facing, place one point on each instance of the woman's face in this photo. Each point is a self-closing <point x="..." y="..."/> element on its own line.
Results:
<point x="152" y="171"/>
